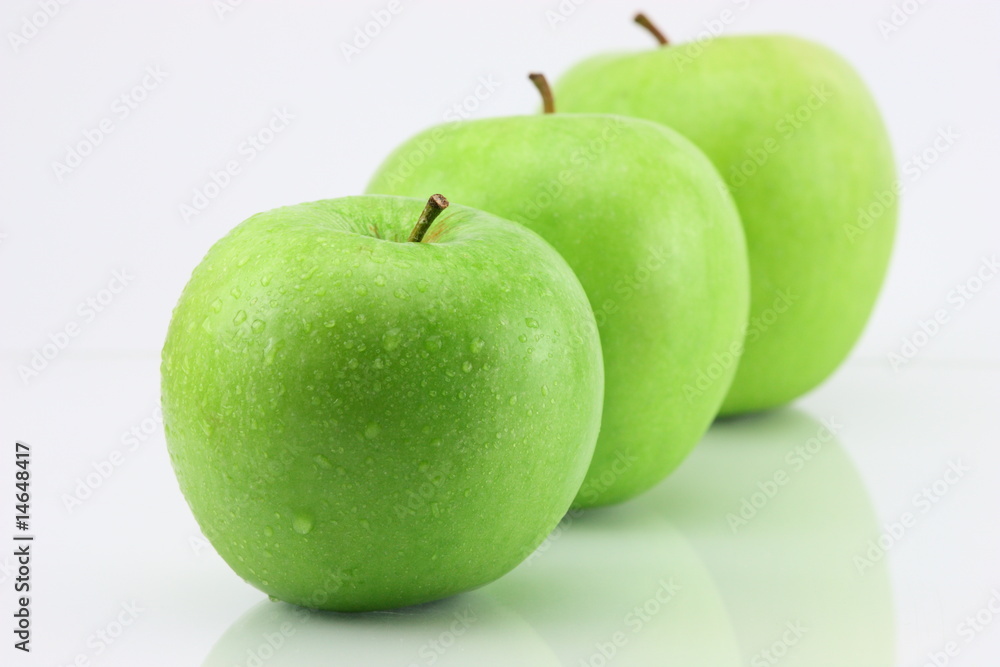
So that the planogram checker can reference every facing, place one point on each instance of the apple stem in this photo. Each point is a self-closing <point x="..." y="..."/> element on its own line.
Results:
<point x="644" y="21"/>
<point x="542" y="84"/>
<point x="432" y="210"/>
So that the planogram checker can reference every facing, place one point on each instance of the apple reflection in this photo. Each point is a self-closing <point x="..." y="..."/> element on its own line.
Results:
<point x="746" y="555"/>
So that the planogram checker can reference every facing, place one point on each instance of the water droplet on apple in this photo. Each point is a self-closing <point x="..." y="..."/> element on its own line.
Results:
<point x="401" y="294"/>
<point x="391" y="339"/>
<point x="240" y="318"/>
<point x="512" y="400"/>
<point x="422" y="285"/>
<point x="372" y="430"/>
<point x="433" y="344"/>
<point x="302" y="523"/>
<point x="380" y="280"/>
<point x="265" y="280"/>
<point x="322" y="461"/>
<point x="329" y="324"/>
<point x="257" y="326"/>
<point x="545" y="390"/>
<point x="217" y="305"/>
<point x="531" y="322"/>
<point x="271" y="351"/>
<point x="360" y="317"/>
<point x="523" y="338"/>
<point x="268" y="531"/>
<point x="467" y="366"/>
<point x="477" y="345"/>
<point x="236" y="292"/>
<point x="206" y="324"/>
<point x="361" y="290"/>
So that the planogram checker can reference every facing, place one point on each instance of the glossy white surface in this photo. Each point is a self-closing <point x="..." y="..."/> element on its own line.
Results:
<point x="915" y="444"/>
<point x="673" y="572"/>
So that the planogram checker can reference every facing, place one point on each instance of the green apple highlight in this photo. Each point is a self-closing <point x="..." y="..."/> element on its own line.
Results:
<point x="366" y="413"/>
<point x="797" y="136"/>
<point x="647" y="225"/>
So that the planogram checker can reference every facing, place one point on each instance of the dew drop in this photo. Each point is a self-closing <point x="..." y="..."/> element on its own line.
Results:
<point x="512" y="400"/>
<point x="257" y="326"/>
<point x="361" y="290"/>
<point x="240" y="318"/>
<point x="268" y="531"/>
<point x="265" y="280"/>
<point x="391" y="339"/>
<point x="433" y="344"/>
<point x="236" y="292"/>
<point x="271" y="351"/>
<point x="217" y="305"/>
<point x="380" y="280"/>
<point x="531" y="322"/>
<point x="329" y="324"/>
<point x="372" y="430"/>
<point x="322" y="461"/>
<point x="545" y="390"/>
<point x="422" y="285"/>
<point x="467" y="366"/>
<point x="302" y="523"/>
<point x="401" y="294"/>
<point x="477" y="345"/>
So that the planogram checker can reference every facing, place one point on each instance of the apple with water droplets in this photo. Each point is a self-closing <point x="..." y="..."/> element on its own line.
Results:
<point x="367" y="413"/>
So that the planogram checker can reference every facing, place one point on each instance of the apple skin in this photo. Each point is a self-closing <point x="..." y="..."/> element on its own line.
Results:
<point x="644" y="220"/>
<point x="366" y="423"/>
<point x="811" y="255"/>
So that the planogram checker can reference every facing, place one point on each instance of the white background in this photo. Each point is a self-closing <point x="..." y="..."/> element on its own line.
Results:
<point x="63" y="237"/>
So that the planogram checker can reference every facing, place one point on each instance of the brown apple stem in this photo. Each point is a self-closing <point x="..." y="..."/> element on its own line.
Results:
<point x="432" y="210"/>
<point x="542" y="84"/>
<point x="644" y="21"/>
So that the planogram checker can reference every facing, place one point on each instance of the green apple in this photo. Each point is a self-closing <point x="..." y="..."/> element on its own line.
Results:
<point x="645" y="221"/>
<point x="801" y="144"/>
<point x="365" y="419"/>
